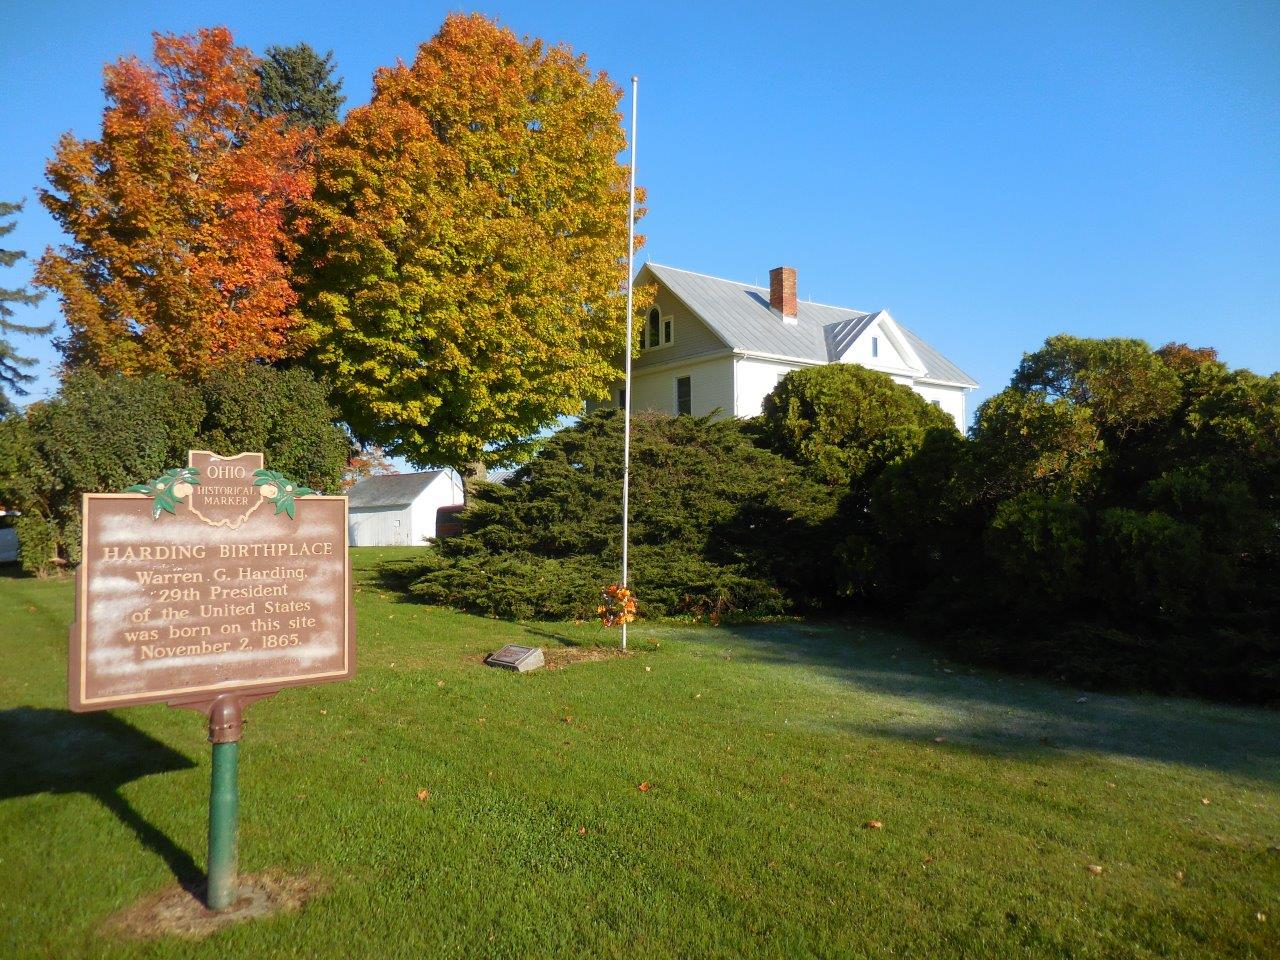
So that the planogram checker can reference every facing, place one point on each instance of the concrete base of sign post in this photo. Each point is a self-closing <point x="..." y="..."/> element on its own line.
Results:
<point x="518" y="658"/>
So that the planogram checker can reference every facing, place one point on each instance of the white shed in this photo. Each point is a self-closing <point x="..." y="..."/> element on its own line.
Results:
<point x="399" y="510"/>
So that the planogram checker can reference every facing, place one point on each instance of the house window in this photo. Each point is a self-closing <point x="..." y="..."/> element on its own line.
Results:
<point x="875" y="346"/>
<point x="684" y="396"/>
<point x="659" y="331"/>
<point x="622" y="398"/>
<point x="938" y="404"/>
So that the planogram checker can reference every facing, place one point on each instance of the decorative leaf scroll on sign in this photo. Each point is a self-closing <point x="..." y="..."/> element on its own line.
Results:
<point x="279" y="489"/>
<point x="169" y="489"/>
<point x="173" y="486"/>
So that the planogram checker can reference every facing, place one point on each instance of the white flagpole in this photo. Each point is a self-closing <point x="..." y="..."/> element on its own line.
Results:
<point x="626" y="379"/>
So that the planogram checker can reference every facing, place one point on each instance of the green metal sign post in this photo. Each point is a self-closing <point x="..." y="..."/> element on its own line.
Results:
<point x="226" y="724"/>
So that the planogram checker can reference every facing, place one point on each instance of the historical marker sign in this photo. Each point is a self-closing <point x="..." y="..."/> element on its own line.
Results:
<point x="218" y="578"/>
<point x="209" y="587"/>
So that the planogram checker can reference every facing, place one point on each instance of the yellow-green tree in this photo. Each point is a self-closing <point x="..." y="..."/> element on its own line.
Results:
<point x="464" y="283"/>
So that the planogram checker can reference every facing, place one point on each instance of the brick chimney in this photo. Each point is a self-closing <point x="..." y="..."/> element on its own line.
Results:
<point x="782" y="292"/>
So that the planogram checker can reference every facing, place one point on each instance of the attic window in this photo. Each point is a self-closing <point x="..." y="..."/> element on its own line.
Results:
<point x="875" y="346"/>
<point x="659" y="332"/>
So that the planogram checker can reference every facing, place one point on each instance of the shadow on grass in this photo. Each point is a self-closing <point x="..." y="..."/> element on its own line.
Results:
<point x="56" y="751"/>
<point x="12" y="570"/>
<point x="547" y="633"/>
<point x="999" y="713"/>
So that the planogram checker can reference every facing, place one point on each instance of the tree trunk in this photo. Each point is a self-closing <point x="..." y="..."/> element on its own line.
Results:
<point x="472" y="474"/>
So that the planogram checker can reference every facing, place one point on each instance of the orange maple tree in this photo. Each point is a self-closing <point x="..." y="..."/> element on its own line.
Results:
<point x="182" y="216"/>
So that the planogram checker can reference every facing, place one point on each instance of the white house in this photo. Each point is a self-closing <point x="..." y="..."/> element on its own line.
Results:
<point x="400" y="509"/>
<point x="715" y="345"/>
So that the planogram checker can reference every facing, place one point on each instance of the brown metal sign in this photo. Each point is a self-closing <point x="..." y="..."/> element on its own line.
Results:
<point x="222" y="577"/>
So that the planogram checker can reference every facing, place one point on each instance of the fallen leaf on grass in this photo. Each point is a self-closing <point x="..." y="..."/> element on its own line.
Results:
<point x="939" y="739"/>
<point x="568" y="719"/>
<point x="439" y="683"/>
<point x="1178" y="875"/>
<point x="424" y="794"/>
<point x="1262" y="917"/>
<point x="582" y="831"/>
<point x="647" y="669"/>
<point x="1205" y="801"/>
<point x="1094" y="869"/>
<point x="873" y="825"/>
<point x="644" y="787"/>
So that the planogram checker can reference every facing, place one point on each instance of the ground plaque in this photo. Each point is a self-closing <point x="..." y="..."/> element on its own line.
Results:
<point x="515" y="657"/>
<point x="209" y="587"/>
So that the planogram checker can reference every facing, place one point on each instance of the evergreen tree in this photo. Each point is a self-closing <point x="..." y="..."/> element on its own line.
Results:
<point x="718" y="526"/>
<point x="297" y="83"/>
<point x="13" y="375"/>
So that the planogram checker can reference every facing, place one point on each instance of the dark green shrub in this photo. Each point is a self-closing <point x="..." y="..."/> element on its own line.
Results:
<point x="104" y="433"/>
<point x="843" y="421"/>
<point x="718" y="527"/>
<point x="1114" y="517"/>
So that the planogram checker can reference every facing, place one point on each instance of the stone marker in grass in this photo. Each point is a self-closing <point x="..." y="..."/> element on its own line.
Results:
<point x="518" y="658"/>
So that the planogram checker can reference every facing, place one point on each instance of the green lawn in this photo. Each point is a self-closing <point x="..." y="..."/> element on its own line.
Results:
<point x="766" y="749"/>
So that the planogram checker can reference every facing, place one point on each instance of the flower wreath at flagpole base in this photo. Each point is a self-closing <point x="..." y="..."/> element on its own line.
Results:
<point x="617" y="605"/>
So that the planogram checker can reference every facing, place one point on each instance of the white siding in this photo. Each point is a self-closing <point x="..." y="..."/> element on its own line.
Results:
<point x="878" y="348"/>
<point x="710" y="382"/>
<point x="380" y="527"/>
<point x="444" y="491"/>
<point x="950" y="399"/>
<point x="405" y="526"/>
<point x="755" y="380"/>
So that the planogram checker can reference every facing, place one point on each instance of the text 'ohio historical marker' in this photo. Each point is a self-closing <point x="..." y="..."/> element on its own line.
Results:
<point x="222" y="577"/>
<point x="210" y="587"/>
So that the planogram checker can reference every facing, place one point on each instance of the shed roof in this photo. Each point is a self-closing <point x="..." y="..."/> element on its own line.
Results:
<point x="392" y="490"/>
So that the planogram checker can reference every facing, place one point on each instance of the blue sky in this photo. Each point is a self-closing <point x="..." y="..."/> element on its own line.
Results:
<point x="991" y="173"/>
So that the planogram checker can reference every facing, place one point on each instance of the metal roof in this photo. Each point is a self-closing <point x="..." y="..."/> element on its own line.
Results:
<point x="392" y="490"/>
<point x="740" y="315"/>
<point x="938" y="366"/>
<point x="842" y="334"/>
